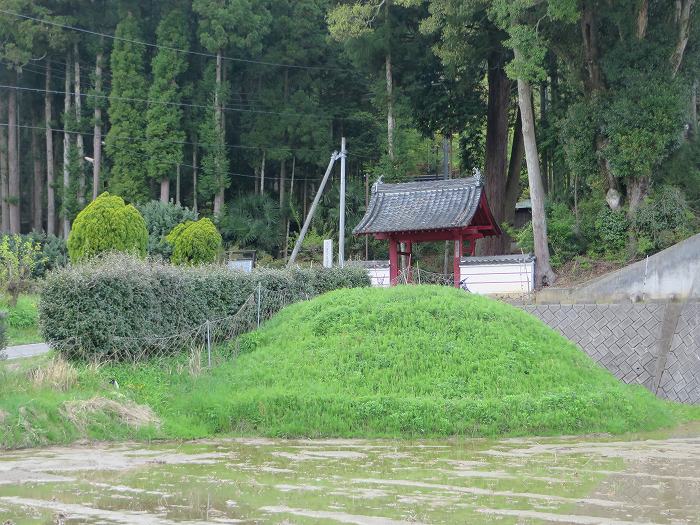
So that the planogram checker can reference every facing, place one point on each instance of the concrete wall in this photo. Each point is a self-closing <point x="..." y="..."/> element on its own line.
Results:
<point x="671" y="274"/>
<point x="653" y="344"/>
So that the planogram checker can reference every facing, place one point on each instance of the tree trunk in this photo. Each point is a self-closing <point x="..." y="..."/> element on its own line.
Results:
<point x="194" y="177"/>
<point x="219" y="122"/>
<point x="291" y="196"/>
<point x="177" y="185"/>
<point x="165" y="190"/>
<point x="683" y="14"/>
<point x="496" y="145"/>
<point x="642" y="19"/>
<point x="694" y="108"/>
<point x="283" y="181"/>
<point x="637" y="190"/>
<point x="50" y="190"/>
<point x="515" y="164"/>
<point x="4" y="168"/>
<point x="66" y="152"/>
<point x="97" y="133"/>
<point x="544" y="275"/>
<point x="262" y="174"/>
<point x="79" y="137"/>
<point x="391" y="123"/>
<point x="37" y="185"/>
<point x="593" y="79"/>
<point x="13" y="194"/>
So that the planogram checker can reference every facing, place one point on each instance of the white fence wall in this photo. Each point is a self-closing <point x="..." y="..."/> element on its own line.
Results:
<point x="503" y="278"/>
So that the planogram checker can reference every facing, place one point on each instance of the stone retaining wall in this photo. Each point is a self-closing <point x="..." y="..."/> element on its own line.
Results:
<point x="653" y="344"/>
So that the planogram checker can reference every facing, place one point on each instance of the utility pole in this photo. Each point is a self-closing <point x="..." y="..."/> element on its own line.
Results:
<point x="341" y="227"/>
<point x="307" y="222"/>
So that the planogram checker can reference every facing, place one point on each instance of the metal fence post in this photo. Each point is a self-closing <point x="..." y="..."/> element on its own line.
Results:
<point x="208" y="343"/>
<point x="258" y="301"/>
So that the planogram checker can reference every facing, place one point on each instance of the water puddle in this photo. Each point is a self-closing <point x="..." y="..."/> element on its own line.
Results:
<point x="653" y="479"/>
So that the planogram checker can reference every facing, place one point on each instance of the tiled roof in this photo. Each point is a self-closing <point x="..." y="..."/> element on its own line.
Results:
<point x="416" y="206"/>
<point x="516" y="258"/>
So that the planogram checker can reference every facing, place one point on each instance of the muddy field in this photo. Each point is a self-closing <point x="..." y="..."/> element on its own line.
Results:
<point x="645" y="480"/>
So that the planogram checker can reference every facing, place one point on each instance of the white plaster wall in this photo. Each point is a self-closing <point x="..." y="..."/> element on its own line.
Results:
<point x="506" y="278"/>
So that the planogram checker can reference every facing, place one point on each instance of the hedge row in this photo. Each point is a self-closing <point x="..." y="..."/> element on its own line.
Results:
<point x="85" y="308"/>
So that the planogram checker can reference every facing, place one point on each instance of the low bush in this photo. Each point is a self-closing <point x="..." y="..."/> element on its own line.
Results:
<point x="85" y="307"/>
<point x="195" y="242"/>
<point x="107" y="224"/>
<point x="161" y="218"/>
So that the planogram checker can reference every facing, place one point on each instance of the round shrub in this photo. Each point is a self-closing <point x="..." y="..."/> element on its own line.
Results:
<point x="107" y="224"/>
<point x="195" y="242"/>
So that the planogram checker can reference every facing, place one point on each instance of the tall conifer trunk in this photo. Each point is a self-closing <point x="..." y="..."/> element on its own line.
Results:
<point x="164" y="189"/>
<point x="97" y="131"/>
<point x="66" y="151"/>
<point x="219" y="123"/>
<point x="50" y="189"/>
<point x="5" y="225"/>
<point x="37" y="184"/>
<point x="13" y="194"/>
<point x="79" y="137"/>
<point x="390" y="122"/>
<point x="194" y="177"/>
<point x="544" y="275"/>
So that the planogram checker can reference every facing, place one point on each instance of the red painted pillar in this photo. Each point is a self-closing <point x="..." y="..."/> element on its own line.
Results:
<point x="393" y="262"/>
<point x="457" y="258"/>
<point x="409" y="263"/>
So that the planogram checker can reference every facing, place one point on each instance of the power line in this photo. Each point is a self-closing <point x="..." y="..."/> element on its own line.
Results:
<point x="169" y="48"/>
<point x="145" y="156"/>
<point x="184" y="142"/>
<point x="183" y="104"/>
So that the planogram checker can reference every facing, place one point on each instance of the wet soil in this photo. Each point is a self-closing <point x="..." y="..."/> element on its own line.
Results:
<point x="645" y="479"/>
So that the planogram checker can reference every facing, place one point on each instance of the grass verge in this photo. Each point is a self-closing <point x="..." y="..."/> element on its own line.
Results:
<point x="409" y="361"/>
<point x="22" y="320"/>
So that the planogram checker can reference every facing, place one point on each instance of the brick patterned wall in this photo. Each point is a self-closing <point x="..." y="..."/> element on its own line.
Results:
<point x="627" y="340"/>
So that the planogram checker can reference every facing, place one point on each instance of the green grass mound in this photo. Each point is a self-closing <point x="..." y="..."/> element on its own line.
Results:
<point x="416" y="360"/>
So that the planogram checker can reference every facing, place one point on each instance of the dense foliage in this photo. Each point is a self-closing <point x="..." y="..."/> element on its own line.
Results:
<point x="233" y="108"/>
<point x="18" y="259"/>
<point x="107" y="224"/>
<point x="84" y="307"/>
<point x="195" y="242"/>
<point x="161" y="218"/>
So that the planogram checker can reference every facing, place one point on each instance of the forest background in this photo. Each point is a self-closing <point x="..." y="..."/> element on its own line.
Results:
<point x="232" y="108"/>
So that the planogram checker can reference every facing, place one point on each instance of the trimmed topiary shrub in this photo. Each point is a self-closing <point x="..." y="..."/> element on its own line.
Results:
<point x="85" y="309"/>
<point x="107" y="224"/>
<point x="194" y="243"/>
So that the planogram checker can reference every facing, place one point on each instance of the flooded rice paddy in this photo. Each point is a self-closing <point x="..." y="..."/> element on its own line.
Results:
<point x="598" y="480"/>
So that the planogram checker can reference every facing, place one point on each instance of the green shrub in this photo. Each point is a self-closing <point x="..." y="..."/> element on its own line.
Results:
<point x="612" y="232"/>
<point x="18" y="258"/>
<point x="84" y="307"/>
<point x="161" y="218"/>
<point x="196" y="242"/>
<point x="663" y="219"/>
<point x="52" y="253"/>
<point x="107" y="224"/>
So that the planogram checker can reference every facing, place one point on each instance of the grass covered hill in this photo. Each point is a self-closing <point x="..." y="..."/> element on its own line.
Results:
<point x="407" y="361"/>
<point x="415" y="360"/>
